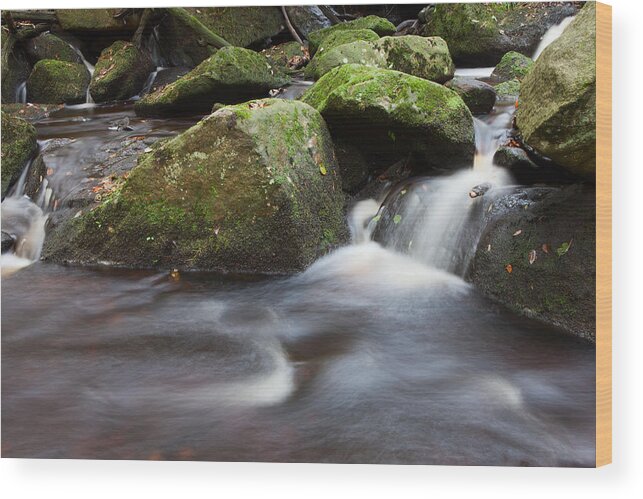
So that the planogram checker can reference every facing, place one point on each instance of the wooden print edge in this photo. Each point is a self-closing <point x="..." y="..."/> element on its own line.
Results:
<point x="603" y="234"/>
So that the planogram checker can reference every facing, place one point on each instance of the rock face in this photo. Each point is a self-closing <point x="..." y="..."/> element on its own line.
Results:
<point x="182" y="45"/>
<point x="340" y="37"/>
<point x="15" y="68"/>
<point x="479" y="96"/>
<point x="537" y="256"/>
<point x="377" y="24"/>
<point x="307" y="18"/>
<point x="48" y="46"/>
<point x="479" y="34"/>
<point x="230" y="76"/>
<point x="557" y="112"/>
<point x="420" y="56"/>
<point x="360" y="52"/>
<point x="58" y="82"/>
<point x="508" y="91"/>
<point x="121" y="72"/>
<point x="512" y="65"/>
<point x="18" y="145"/>
<point x="251" y="188"/>
<point x="390" y="115"/>
<point x="96" y="20"/>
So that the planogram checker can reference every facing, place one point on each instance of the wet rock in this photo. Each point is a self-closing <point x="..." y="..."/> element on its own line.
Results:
<point x="165" y="77"/>
<point x="182" y="45"/>
<point x="31" y="112"/>
<point x="389" y="115"/>
<point x="557" y="112"/>
<point x="286" y="57"/>
<point x="508" y="91"/>
<point x="524" y="170"/>
<point x="537" y="256"/>
<point x="7" y="242"/>
<point x="19" y="144"/>
<point x="121" y="72"/>
<point x="58" y="82"/>
<point x="379" y="25"/>
<point x="420" y="56"/>
<point x="231" y="75"/>
<point x="360" y="52"/>
<point x="479" y="96"/>
<point x="15" y="68"/>
<point x="48" y="46"/>
<point x="353" y="167"/>
<point x="479" y="34"/>
<point x="512" y="66"/>
<point x="307" y="18"/>
<point x="190" y="204"/>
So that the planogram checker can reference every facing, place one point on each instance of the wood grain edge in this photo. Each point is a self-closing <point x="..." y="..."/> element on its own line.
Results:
<point x="603" y="234"/>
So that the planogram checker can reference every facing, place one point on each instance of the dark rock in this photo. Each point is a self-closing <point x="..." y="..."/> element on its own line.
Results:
<point x="480" y="97"/>
<point x="537" y="256"/>
<point x="307" y="18"/>
<point x="58" y="82"/>
<point x="164" y="77"/>
<point x="7" y="242"/>
<point x="15" y="69"/>
<point x="48" y="46"/>
<point x="19" y="144"/>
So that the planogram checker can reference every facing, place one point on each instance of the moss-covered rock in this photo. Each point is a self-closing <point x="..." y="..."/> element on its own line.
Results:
<point x="512" y="65"/>
<point x="508" y="91"/>
<point x="537" y="256"/>
<point x="96" y="20"/>
<point x="379" y="25"/>
<point x="31" y="112"/>
<point x="360" y="52"/>
<point x="307" y="18"/>
<point x="390" y="115"/>
<point x="427" y="58"/>
<point x="121" y="72"/>
<point x="230" y="76"/>
<point x="58" y="82"/>
<point x="182" y="45"/>
<point x="479" y="34"/>
<point x="251" y="188"/>
<point x="48" y="46"/>
<point x="286" y="57"/>
<point x="18" y="145"/>
<point x="479" y="96"/>
<point x="341" y="37"/>
<point x="557" y="111"/>
<point x="15" y="67"/>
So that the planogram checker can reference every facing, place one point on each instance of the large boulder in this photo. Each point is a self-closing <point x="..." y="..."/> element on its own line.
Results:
<point x="427" y="58"/>
<point x="182" y="43"/>
<point x="229" y="76"/>
<point x="307" y="18"/>
<point x="381" y="26"/>
<point x="18" y="146"/>
<point x="48" y="46"/>
<point x="479" y="96"/>
<point x="360" y="52"/>
<point x="121" y="72"/>
<point x="96" y="20"/>
<point x="512" y="65"/>
<point x="58" y="82"/>
<point x="390" y="115"/>
<point x="557" y="111"/>
<point x="343" y="36"/>
<point x="251" y="188"/>
<point x="479" y="34"/>
<point x="537" y="256"/>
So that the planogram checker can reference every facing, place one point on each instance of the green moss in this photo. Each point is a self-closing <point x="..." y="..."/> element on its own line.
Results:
<point x="379" y="25"/>
<point x="57" y="82"/>
<point x="18" y="145"/>
<point x="82" y="20"/>
<point x="508" y="90"/>
<point x="48" y="46"/>
<point x="280" y="56"/>
<point x="341" y="37"/>
<point x="512" y="65"/>
<point x="359" y="52"/>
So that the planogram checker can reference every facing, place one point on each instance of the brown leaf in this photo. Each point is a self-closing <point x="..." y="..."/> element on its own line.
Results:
<point x="509" y="268"/>
<point x="532" y="256"/>
<point x="545" y="248"/>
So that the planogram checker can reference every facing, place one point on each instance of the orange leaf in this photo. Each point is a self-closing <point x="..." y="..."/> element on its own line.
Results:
<point x="509" y="268"/>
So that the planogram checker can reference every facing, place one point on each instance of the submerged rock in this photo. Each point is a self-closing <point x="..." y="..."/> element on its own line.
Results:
<point x="48" y="46"/>
<point x="389" y="115"/>
<point x="121" y="72"/>
<point x="512" y="65"/>
<point x="360" y="52"/>
<point x="19" y="144"/>
<point x="479" y="34"/>
<point x="537" y="256"/>
<point x="379" y="25"/>
<point x="557" y="112"/>
<point x="231" y="75"/>
<point x="58" y="82"/>
<point x="479" y="96"/>
<point x="251" y="188"/>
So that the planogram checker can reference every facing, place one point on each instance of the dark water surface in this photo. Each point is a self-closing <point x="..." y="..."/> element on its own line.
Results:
<point x="367" y="357"/>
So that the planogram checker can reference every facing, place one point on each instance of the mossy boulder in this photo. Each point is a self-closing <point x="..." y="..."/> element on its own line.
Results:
<point x="58" y="82"/>
<point x="479" y="34"/>
<point x="479" y="96"/>
<point x="251" y="188"/>
<point x="121" y="72"/>
<point x="389" y="115"/>
<point x="512" y="65"/>
<point x="307" y="18"/>
<point x="18" y="145"/>
<point x="341" y="37"/>
<point x="508" y="91"/>
<point x="231" y="75"/>
<point x="182" y="45"/>
<point x="360" y="52"/>
<point x="48" y="46"/>
<point x="557" y="111"/>
<point x="286" y="57"/>
<point x="96" y="20"/>
<point x="537" y="256"/>
<point x="427" y="58"/>
<point x="379" y="25"/>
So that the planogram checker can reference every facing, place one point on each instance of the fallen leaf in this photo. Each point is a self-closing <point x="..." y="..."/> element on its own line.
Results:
<point x="545" y="248"/>
<point x="322" y="169"/>
<point x="532" y="256"/>
<point x="509" y="268"/>
<point x="517" y="233"/>
<point x="564" y="248"/>
<point x="397" y="219"/>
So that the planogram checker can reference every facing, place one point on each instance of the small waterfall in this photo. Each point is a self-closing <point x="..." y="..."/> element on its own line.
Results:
<point x="552" y="34"/>
<point x="90" y="68"/>
<point x="438" y="220"/>
<point x="150" y="80"/>
<point x="21" y="93"/>
<point x="152" y="45"/>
